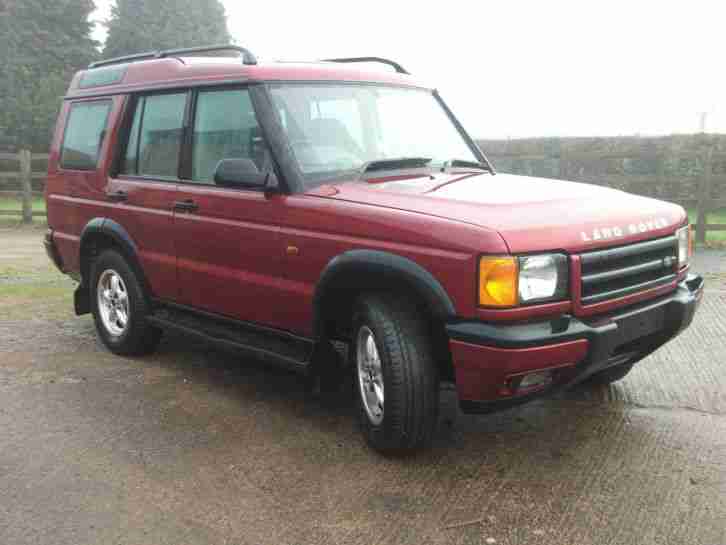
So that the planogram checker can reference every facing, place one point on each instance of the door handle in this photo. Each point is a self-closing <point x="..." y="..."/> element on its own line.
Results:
<point x="117" y="196"/>
<point x="186" y="206"/>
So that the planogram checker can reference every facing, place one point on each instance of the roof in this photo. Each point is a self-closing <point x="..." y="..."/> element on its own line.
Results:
<point x="170" y="72"/>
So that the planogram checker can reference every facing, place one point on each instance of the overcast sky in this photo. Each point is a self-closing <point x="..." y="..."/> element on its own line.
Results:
<point x="520" y="68"/>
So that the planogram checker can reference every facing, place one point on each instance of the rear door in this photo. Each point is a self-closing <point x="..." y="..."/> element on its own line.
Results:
<point x="229" y="252"/>
<point x="141" y="196"/>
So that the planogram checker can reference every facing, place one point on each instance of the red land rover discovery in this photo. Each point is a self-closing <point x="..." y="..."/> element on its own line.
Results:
<point x="274" y="208"/>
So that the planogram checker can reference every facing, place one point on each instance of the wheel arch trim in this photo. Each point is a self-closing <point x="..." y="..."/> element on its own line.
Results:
<point x="115" y="231"/>
<point x="342" y="268"/>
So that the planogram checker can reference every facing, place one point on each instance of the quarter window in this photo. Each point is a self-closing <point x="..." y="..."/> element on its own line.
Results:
<point x="155" y="138"/>
<point x="225" y="127"/>
<point x="85" y="130"/>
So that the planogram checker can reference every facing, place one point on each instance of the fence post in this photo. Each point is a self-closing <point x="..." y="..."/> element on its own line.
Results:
<point x="26" y="184"/>
<point x="704" y="193"/>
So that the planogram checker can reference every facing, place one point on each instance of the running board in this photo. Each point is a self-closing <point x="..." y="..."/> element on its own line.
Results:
<point x="263" y="344"/>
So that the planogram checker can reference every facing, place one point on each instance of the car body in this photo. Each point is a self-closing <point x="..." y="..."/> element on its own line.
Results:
<point x="265" y="231"/>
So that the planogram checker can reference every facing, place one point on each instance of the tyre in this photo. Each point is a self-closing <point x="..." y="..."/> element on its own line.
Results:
<point x="120" y="307"/>
<point x="396" y="377"/>
<point x="612" y="374"/>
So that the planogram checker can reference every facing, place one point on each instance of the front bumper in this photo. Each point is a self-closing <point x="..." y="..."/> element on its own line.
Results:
<point x="489" y="359"/>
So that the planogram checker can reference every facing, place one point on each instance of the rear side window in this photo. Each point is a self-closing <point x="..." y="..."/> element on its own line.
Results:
<point x="155" y="137"/>
<point x="85" y="130"/>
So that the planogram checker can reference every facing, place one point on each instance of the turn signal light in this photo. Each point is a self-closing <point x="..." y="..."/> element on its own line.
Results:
<point x="497" y="281"/>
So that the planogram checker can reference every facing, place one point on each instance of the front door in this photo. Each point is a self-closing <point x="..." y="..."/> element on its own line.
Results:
<point x="229" y="252"/>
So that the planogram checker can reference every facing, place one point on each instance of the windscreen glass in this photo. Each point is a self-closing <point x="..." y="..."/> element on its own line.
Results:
<point x="335" y="129"/>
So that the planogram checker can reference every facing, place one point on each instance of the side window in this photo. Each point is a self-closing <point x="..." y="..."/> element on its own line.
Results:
<point x="155" y="138"/>
<point x="225" y="127"/>
<point x="85" y="130"/>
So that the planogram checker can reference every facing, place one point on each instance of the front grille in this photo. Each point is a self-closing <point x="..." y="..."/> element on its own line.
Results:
<point x="617" y="272"/>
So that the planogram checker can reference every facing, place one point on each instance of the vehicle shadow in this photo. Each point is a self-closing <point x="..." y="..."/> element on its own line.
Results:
<point x="253" y="435"/>
<point x="251" y="381"/>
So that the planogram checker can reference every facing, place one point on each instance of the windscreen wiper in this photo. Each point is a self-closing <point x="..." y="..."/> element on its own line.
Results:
<point x="393" y="164"/>
<point x="463" y="163"/>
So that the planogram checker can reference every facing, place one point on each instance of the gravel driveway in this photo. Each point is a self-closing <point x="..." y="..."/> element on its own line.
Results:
<point x="194" y="446"/>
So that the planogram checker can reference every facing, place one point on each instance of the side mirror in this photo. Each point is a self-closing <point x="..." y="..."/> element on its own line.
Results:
<point x="239" y="173"/>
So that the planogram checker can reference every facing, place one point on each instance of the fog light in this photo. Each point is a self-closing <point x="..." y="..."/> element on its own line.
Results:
<point x="532" y="380"/>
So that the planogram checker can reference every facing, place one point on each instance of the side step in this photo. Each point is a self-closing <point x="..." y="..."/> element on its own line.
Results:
<point x="267" y="345"/>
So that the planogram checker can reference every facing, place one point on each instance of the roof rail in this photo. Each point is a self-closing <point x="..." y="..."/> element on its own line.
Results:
<point x="247" y="56"/>
<point x="381" y="60"/>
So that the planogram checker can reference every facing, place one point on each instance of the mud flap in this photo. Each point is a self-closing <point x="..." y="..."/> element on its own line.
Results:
<point x="81" y="300"/>
<point x="329" y="377"/>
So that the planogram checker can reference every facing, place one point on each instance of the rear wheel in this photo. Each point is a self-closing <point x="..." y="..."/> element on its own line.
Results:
<point x="396" y="376"/>
<point x="120" y="307"/>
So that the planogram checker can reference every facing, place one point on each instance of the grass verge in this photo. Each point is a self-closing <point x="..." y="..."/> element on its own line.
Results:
<point x="14" y="203"/>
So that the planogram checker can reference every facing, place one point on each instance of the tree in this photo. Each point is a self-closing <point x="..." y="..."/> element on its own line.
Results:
<point x="43" y="44"/>
<point x="147" y="25"/>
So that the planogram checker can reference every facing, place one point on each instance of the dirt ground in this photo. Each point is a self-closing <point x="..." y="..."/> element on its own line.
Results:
<point x="193" y="446"/>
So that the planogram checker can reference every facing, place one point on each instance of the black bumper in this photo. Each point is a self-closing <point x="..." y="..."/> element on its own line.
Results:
<point x="628" y="334"/>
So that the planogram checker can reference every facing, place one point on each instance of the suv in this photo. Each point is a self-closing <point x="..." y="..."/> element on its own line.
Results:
<point x="276" y="208"/>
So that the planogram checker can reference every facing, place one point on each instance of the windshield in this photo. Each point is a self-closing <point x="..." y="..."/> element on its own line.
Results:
<point x="334" y="130"/>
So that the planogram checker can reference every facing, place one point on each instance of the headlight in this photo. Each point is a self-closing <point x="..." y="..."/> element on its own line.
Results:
<point x="684" y="245"/>
<point x="542" y="277"/>
<point x="506" y="281"/>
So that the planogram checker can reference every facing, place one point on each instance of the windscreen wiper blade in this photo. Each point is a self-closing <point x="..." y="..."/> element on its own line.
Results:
<point x="393" y="164"/>
<point x="463" y="163"/>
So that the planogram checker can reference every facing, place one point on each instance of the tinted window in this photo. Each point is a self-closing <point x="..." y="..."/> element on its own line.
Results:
<point x="155" y="137"/>
<point x="225" y="127"/>
<point x="84" y="134"/>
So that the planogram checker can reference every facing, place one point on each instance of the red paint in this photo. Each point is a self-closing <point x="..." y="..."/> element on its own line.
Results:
<point x="148" y="217"/>
<point x="323" y="228"/>
<point x="482" y="371"/>
<point x="230" y="256"/>
<point x="531" y="214"/>
<point x="230" y="253"/>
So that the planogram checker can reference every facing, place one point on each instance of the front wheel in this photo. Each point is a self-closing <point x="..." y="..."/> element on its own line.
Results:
<point x="396" y="375"/>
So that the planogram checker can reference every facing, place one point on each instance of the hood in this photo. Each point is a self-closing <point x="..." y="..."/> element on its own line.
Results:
<point x="531" y="214"/>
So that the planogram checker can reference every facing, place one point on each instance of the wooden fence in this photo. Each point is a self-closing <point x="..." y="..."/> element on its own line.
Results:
<point x="25" y="175"/>
<point x="708" y="199"/>
<point x="701" y="191"/>
<point x="694" y="178"/>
